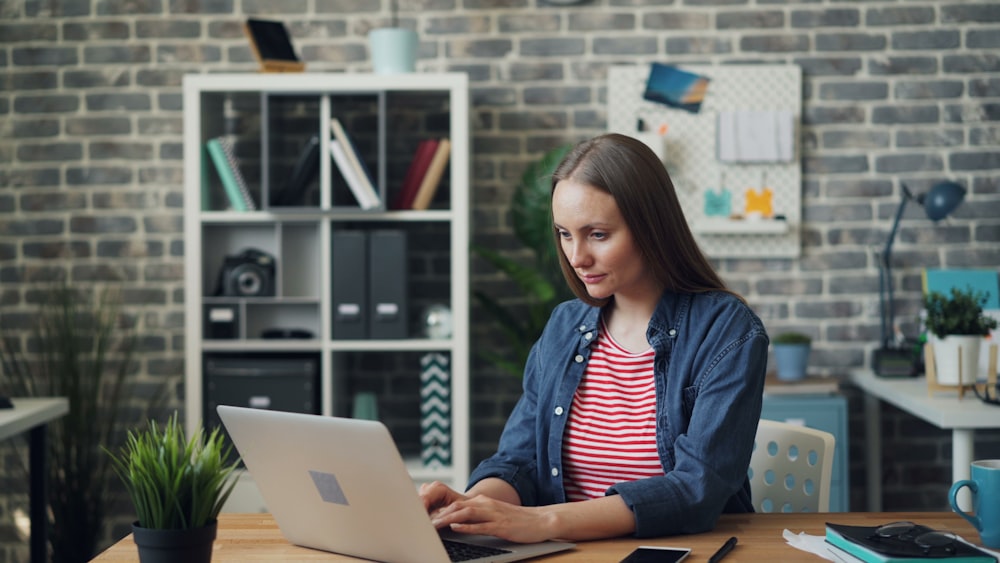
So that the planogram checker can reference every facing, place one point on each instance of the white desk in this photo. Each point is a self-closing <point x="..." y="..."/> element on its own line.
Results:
<point x="31" y="415"/>
<point x="944" y="409"/>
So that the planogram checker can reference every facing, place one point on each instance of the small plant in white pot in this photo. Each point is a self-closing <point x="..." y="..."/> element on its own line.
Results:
<point x="791" y="355"/>
<point x="393" y="48"/>
<point x="958" y="325"/>
<point x="178" y="487"/>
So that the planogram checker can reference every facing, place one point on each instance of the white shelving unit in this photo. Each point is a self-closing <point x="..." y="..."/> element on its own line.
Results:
<point x="245" y="106"/>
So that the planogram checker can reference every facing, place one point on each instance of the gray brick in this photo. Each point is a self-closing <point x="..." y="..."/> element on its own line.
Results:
<point x="64" y="250"/>
<point x="974" y="12"/>
<point x="986" y="62"/>
<point x="850" y="42"/>
<point x="896" y="163"/>
<point x="355" y="6"/>
<point x="46" y="104"/>
<point x="556" y="95"/>
<point x="103" y="272"/>
<point x="95" y="31"/>
<point x="923" y="90"/>
<point x="905" y="114"/>
<point x="190" y="53"/>
<point x="929" y="138"/>
<point x="786" y="286"/>
<point x="105" y="150"/>
<point x="855" y="139"/>
<point x="984" y="87"/>
<point x="750" y="19"/>
<point x="866" y="188"/>
<point x="92" y="126"/>
<point x="98" y="176"/>
<point x="775" y="43"/>
<point x="602" y="21"/>
<point x="463" y="24"/>
<point x="94" y="224"/>
<point x="552" y="47"/>
<point x="833" y="17"/>
<point x="973" y="112"/>
<point x="855" y="90"/>
<point x="986" y="233"/>
<point x="495" y="96"/>
<point x="32" y="227"/>
<point x="40" y="80"/>
<point x="169" y="29"/>
<point x="974" y="160"/>
<point x="984" y="136"/>
<point x="494" y="4"/>
<point x="826" y="310"/>
<point x="35" y="202"/>
<point x="676" y="20"/>
<point x="24" y="177"/>
<point x="901" y="16"/>
<point x="630" y="46"/>
<point x="49" y="152"/>
<point x="495" y="47"/>
<point x="118" y="102"/>
<point x="926" y="40"/>
<point x="130" y="249"/>
<point x="698" y="46"/>
<point x="116" y="7"/>
<point x="834" y="164"/>
<point x="903" y="65"/>
<point x="116" y="54"/>
<point x="829" y="66"/>
<point x="43" y="56"/>
<point x="838" y="212"/>
<point x="96" y="78"/>
<point x="527" y="71"/>
<point x="34" y="128"/>
<point x="834" y="260"/>
<point x="982" y="38"/>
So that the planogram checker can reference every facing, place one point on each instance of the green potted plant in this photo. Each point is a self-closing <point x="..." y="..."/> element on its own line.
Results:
<point x="958" y="325"/>
<point x="540" y="283"/>
<point x="78" y="344"/>
<point x="177" y="486"/>
<point x="791" y="355"/>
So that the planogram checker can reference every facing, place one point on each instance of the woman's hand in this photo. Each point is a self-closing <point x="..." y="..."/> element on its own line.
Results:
<point x="484" y="515"/>
<point x="437" y="496"/>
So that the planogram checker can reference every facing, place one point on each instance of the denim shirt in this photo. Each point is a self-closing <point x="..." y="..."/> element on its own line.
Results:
<point x="709" y="366"/>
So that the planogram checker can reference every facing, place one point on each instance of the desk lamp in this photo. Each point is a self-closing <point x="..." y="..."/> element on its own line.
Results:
<point x="892" y="360"/>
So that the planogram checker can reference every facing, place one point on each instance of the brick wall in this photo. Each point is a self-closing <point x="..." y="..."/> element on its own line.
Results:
<point x="90" y="169"/>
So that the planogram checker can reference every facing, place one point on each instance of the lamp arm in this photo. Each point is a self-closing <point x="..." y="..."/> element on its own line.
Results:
<point x="886" y="307"/>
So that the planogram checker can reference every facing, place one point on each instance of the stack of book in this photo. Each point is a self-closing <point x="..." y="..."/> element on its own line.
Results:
<point x="220" y="152"/>
<point x="352" y="167"/>
<point x="865" y="543"/>
<point x="424" y="174"/>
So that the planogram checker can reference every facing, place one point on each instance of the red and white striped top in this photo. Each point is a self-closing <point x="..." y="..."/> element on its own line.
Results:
<point x="611" y="432"/>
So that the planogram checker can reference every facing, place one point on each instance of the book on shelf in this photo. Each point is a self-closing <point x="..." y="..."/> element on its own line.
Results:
<point x="865" y="543"/>
<point x="415" y="173"/>
<point x="221" y="152"/>
<point x="432" y="179"/>
<point x="356" y="163"/>
<point x="365" y="199"/>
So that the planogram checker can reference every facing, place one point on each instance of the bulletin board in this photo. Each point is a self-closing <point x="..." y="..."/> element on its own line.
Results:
<point x="688" y="144"/>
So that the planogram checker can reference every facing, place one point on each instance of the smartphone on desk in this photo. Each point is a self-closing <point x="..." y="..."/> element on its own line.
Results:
<point x="653" y="554"/>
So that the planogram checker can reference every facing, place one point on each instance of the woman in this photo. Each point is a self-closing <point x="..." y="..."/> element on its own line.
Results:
<point x="641" y="397"/>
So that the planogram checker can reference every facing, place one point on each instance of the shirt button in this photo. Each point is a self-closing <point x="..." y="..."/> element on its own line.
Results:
<point x="578" y="358"/>
<point x="559" y="411"/>
<point x="672" y="332"/>
<point x="583" y="328"/>
<point x="588" y="336"/>
<point x="555" y="471"/>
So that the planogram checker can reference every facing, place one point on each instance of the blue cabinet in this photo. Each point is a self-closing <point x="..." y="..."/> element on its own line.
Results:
<point x="822" y="412"/>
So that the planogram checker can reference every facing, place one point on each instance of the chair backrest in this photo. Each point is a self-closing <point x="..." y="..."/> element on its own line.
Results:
<point x="791" y="468"/>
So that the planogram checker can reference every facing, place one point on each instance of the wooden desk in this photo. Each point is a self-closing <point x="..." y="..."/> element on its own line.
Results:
<point x="942" y="409"/>
<point x="255" y="537"/>
<point x="31" y="415"/>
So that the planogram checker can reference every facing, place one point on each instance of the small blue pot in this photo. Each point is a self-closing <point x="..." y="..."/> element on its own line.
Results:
<point x="791" y="361"/>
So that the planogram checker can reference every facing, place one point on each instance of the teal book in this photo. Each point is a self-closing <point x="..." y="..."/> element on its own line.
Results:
<point x="237" y="191"/>
<point x="867" y="545"/>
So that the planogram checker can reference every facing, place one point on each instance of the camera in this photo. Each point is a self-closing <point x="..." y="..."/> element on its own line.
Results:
<point x="247" y="274"/>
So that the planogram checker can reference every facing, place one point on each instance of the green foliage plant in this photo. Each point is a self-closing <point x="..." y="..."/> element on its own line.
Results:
<point x="76" y="346"/>
<point x="540" y="281"/>
<point x="960" y="313"/>
<point x="792" y="338"/>
<point x="175" y="482"/>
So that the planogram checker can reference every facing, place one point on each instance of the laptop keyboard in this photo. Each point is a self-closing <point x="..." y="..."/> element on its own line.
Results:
<point x="458" y="551"/>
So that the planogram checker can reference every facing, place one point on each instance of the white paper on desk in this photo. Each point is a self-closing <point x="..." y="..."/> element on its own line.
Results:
<point x="817" y="545"/>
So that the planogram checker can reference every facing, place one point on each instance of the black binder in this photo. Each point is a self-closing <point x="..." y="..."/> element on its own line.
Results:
<point x="349" y="280"/>
<point x="387" y="303"/>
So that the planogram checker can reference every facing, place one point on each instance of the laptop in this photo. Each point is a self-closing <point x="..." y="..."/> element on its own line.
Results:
<point x="340" y="485"/>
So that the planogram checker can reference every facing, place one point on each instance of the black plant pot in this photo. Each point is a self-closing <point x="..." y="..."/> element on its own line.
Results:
<point x="170" y="546"/>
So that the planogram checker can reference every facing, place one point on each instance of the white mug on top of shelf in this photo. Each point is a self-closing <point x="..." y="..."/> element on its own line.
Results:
<point x="394" y="50"/>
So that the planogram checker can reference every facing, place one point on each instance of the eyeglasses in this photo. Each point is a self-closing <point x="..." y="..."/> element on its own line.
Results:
<point x="930" y="541"/>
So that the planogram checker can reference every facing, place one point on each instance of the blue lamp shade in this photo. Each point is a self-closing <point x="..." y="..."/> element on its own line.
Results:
<point x="941" y="200"/>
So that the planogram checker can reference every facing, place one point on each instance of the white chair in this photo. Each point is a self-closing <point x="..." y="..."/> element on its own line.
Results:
<point x="790" y="468"/>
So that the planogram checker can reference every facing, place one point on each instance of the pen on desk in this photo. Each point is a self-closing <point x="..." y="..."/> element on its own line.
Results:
<point x="725" y="549"/>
